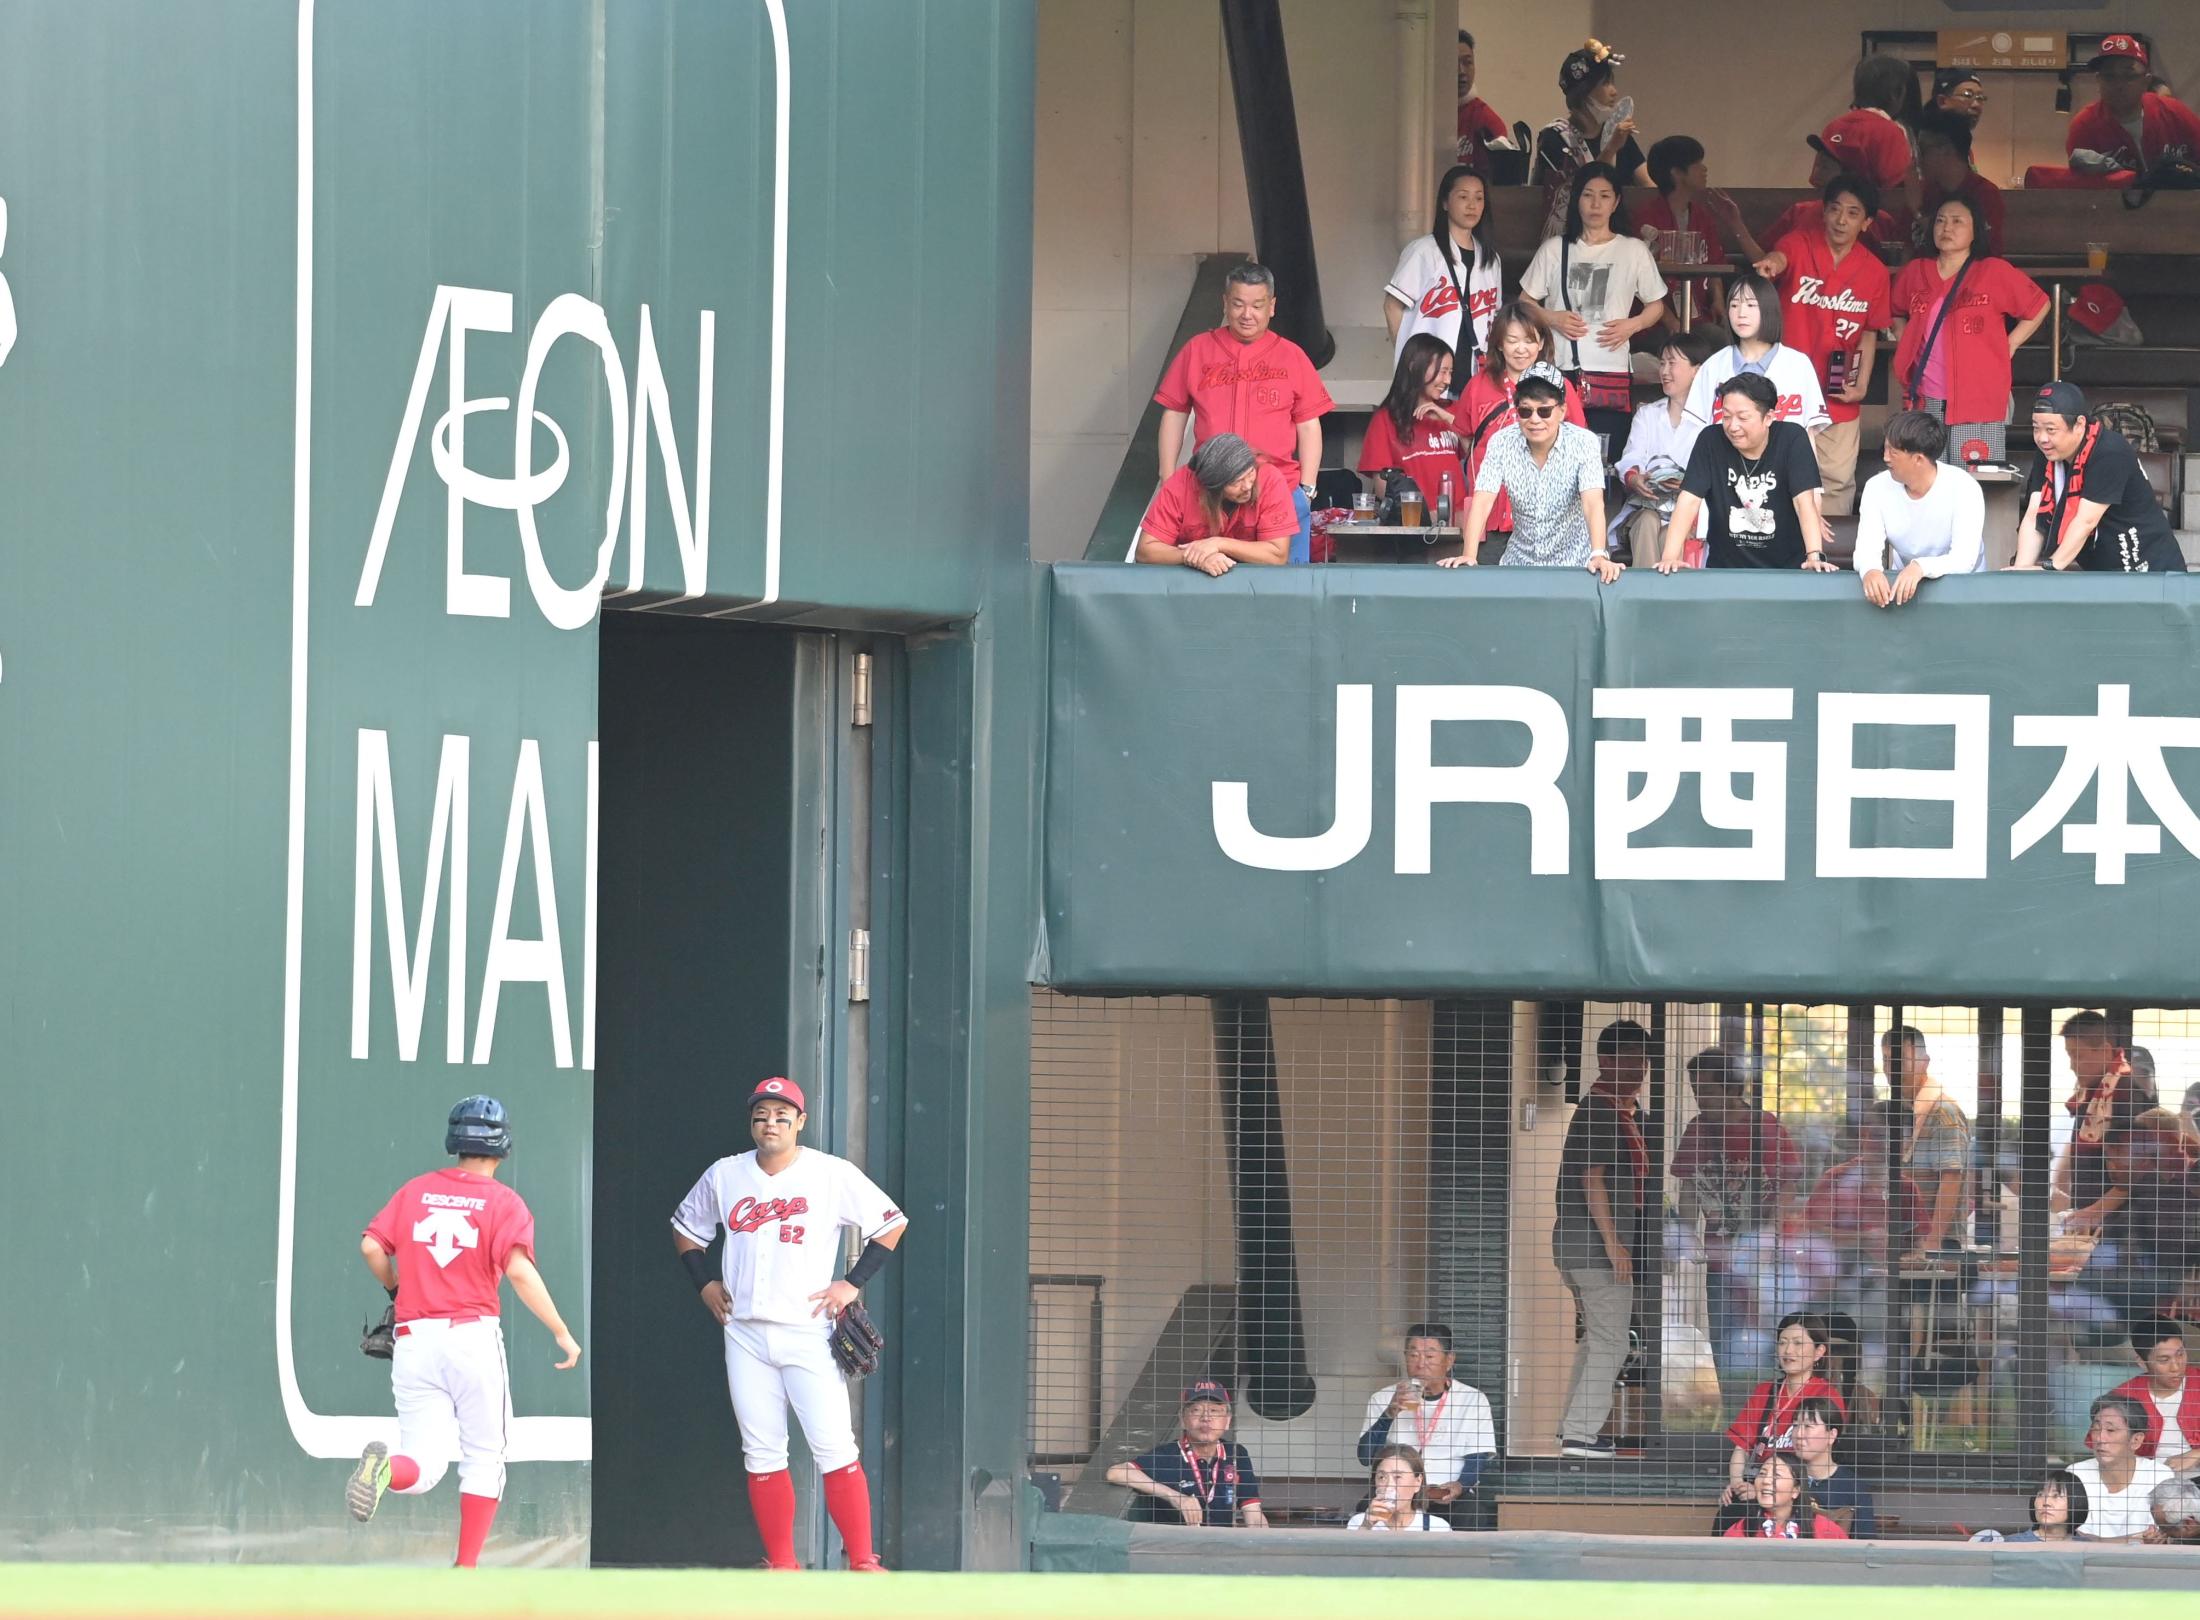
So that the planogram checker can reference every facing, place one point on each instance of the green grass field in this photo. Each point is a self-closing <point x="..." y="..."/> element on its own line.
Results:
<point x="202" y="1592"/>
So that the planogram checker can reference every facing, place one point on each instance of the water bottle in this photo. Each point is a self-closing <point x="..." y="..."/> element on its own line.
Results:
<point x="1443" y="503"/>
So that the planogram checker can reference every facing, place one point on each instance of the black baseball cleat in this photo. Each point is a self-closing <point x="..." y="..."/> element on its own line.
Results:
<point x="368" y="1481"/>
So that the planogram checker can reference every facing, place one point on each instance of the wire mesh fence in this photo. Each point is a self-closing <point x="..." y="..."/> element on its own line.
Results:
<point x="1611" y="1265"/>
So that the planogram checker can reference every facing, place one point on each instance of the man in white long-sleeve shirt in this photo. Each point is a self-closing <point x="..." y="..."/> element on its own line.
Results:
<point x="1921" y="518"/>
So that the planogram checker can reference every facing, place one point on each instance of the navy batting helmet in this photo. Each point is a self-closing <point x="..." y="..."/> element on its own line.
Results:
<point x="478" y="1130"/>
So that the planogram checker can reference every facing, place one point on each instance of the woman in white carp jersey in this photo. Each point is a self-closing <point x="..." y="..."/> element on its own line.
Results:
<point x="783" y="1206"/>
<point x="1448" y="282"/>
<point x="1753" y="315"/>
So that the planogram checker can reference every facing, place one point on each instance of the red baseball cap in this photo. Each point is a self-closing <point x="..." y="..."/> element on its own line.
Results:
<point x="2119" y="47"/>
<point x="778" y="1089"/>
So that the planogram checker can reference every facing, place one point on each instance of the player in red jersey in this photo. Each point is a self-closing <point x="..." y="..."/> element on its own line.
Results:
<point x="441" y="1246"/>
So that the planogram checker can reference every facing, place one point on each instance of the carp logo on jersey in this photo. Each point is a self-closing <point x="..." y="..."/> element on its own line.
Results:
<point x="750" y="1215"/>
<point x="1440" y="299"/>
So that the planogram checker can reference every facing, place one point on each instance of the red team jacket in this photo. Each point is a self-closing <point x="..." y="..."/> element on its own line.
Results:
<point x="452" y="1233"/>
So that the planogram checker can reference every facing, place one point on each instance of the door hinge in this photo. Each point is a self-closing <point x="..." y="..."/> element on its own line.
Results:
<point x="859" y="964"/>
<point x="860" y="707"/>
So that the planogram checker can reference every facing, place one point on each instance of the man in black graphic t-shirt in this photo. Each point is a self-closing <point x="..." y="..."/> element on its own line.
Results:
<point x="2090" y="494"/>
<point x="1758" y="479"/>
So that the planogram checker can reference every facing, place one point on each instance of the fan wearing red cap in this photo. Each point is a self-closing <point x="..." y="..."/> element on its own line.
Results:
<point x="1201" y="1477"/>
<point x="1872" y="139"/>
<point x="783" y="1207"/>
<point x="2130" y="126"/>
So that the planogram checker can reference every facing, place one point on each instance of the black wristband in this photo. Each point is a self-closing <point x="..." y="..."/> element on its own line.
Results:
<point x="392" y="1293"/>
<point x="697" y="1262"/>
<point x="868" y="1263"/>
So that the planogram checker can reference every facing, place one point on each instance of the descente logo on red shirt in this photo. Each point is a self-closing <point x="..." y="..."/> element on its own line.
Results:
<point x="747" y="1215"/>
<point x="1229" y="376"/>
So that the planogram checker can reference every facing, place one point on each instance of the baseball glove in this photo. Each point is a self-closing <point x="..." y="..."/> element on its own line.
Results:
<point x="380" y="1340"/>
<point x="855" y="1341"/>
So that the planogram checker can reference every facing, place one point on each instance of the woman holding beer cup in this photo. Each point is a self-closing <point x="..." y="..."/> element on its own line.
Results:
<point x="1397" y="1488"/>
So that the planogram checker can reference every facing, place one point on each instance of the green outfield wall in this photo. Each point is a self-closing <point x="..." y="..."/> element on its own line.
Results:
<point x="1398" y="780"/>
<point x="363" y="355"/>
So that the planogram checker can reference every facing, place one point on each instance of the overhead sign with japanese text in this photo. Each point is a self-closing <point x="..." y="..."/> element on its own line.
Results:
<point x="1400" y="780"/>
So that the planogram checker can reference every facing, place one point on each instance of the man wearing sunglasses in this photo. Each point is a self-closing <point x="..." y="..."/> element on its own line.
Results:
<point x="1553" y="474"/>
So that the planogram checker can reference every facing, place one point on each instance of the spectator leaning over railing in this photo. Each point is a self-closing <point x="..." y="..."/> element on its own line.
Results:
<point x="1658" y="446"/>
<point x="1553" y="475"/>
<point x="1759" y="483"/>
<point x="1411" y="432"/>
<point x="1397" y="1496"/>
<point x="1447" y="283"/>
<point x="1786" y="1510"/>
<point x="2175" y="1507"/>
<point x="1243" y="378"/>
<point x="2089" y="492"/>
<point x="1944" y="160"/>
<point x="2117" y="1479"/>
<point x="1766" y="1424"/>
<point x="1219" y="510"/>
<point x="1445" y="1423"/>
<point x="1600" y="1228"/>
<point x="1199" y="1478"/>
<point x="1921" y="518"/>
<point x="1517" y="341"/>
<point x="2169" y="1387"/>
<point x="1584" y="285"/>
<point x="1479" y="123"/>
<point x="1836" y="298"/>
<point x="2058" y="1507"/>
<point x="2129" y="127"/>
<point x="1954" y="342"/>
<point x="1961" y="91"/>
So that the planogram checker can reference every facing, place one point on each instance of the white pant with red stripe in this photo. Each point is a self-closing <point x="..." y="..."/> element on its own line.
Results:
<point x="454" y="1399"/>
<point x="770" y="1365"/>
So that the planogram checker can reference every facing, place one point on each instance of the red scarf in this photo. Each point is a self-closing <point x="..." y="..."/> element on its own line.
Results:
<point x="2066" y="505"/>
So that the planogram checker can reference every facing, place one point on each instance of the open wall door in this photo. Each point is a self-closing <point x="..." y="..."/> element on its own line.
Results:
<point x="697" y="727"/>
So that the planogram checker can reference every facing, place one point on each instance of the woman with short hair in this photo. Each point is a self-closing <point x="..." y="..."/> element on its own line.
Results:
<point x="1397" y="1494"/>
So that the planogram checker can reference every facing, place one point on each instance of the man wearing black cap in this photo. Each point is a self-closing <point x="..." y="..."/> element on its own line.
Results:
<point x="2129" y="127"/>
<point x="1201" y="1477"/>
<point x="2088" y="491"/>
<point x="1961" y="91"/>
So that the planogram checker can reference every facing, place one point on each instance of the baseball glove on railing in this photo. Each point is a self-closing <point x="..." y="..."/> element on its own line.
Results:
<point x="380" y="1340"/>
<point x="855" y="1341"/>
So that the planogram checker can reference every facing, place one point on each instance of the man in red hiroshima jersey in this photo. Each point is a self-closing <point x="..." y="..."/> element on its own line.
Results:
<point x="441" y="1246"/>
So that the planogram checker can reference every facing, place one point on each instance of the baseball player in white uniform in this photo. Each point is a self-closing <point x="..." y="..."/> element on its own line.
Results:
<point x="441" y="1246"/>
<point x="783" y="1207"/>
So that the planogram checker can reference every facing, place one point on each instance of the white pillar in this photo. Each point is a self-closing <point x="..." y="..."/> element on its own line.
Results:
<point x="1416" y="182"/>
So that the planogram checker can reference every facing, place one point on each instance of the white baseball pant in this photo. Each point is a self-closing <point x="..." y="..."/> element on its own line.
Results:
<point x="454" y="1399"/>
<point x="770" y="1365"/>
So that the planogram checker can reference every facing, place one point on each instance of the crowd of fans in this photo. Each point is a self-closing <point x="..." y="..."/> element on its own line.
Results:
<point x="2128" y="1178"/>
<point x="1518" y="419"/>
